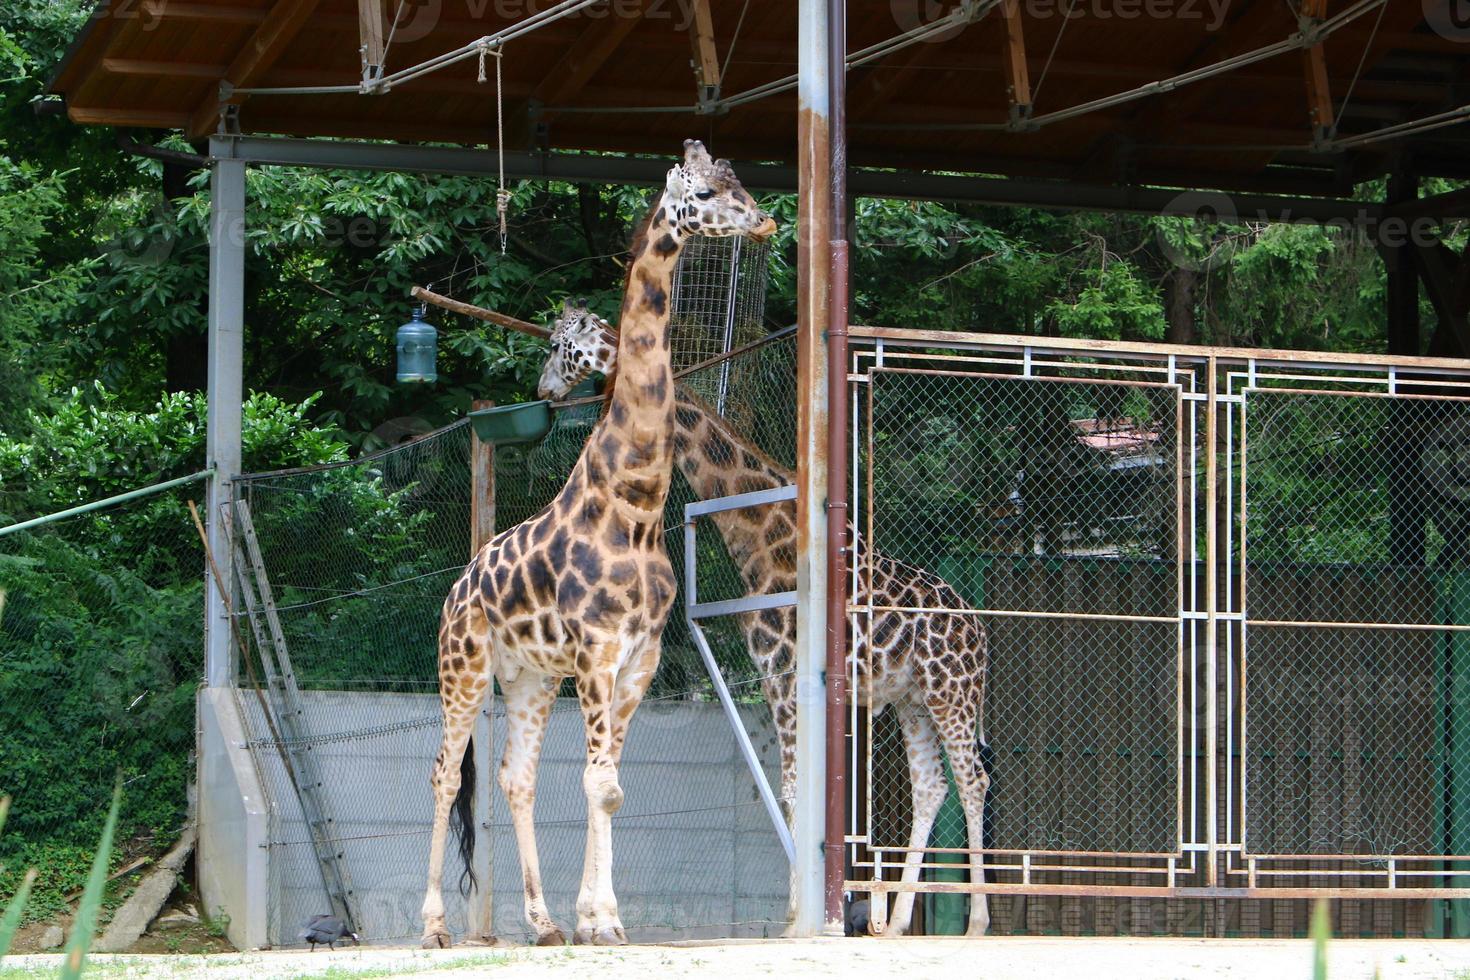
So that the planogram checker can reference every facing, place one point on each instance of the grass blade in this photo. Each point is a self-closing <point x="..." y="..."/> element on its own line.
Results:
<point x="11" y="920"/>
<point x="85" y="923"/>
<point x="1321" y="931"/>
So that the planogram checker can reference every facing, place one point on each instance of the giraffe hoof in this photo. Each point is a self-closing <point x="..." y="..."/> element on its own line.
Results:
<point x="583" y="936"/>
<point x="436" y="940"/>
<point x="610" y="936"/>
<point x="552" y="938"/>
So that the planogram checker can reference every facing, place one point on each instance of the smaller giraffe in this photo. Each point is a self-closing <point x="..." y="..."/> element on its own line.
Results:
<point x="931" y="667"/>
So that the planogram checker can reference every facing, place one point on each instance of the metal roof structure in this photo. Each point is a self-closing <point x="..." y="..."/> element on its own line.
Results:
<point x="1292" y="97"/>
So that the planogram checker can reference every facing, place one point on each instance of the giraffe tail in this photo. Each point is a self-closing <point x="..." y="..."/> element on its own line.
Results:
<point x="462" y="819"/>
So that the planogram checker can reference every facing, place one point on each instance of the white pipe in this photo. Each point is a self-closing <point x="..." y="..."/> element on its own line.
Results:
<point x="722" y="691"/>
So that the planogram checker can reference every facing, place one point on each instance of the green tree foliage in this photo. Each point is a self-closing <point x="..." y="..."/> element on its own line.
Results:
<point x="100" y="618"/>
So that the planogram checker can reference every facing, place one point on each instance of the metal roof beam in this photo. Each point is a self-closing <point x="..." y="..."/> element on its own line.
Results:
<point x="599" y="168"/>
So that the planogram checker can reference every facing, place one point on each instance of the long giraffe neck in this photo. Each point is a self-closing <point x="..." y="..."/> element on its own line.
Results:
<point x="716" y="461"/>
<point x="630" y="452"/>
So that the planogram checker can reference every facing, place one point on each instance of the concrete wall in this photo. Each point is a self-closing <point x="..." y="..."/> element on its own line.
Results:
<point x="695" y="854"/>
<point x="234" y="822"/>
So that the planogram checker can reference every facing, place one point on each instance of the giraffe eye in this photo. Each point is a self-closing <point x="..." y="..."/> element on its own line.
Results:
<point x="705" y="195"/>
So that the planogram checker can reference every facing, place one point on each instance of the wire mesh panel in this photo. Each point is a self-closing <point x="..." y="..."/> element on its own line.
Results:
<point x="719" y="305"/>
<point x="1357" y="596"/>
<point x="1226" y="604"/>
<point x="358" y="558"/>
<point x="1045" y="511"/>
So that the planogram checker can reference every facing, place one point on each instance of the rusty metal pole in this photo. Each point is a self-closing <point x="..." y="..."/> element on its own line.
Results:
<point x="837" y="458"/>
<point x="813" y="261"/>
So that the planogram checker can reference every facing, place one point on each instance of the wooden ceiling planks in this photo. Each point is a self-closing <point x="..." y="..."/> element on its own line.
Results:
<point x="1233" y="129"/>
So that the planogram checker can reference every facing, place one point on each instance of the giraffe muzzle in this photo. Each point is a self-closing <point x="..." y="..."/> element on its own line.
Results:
<point x="765" y="230"/>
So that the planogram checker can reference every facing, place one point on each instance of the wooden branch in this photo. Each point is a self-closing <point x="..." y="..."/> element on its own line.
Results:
<point x="480" y="313"/>
<point x="482" y="486"/>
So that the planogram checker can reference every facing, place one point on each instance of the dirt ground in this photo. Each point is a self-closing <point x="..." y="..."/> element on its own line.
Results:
<point x="1000" y="958"/>
<point x="178" y="928"/>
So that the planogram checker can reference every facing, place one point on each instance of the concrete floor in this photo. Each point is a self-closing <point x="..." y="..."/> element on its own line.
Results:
<point x="1001" y="958"/>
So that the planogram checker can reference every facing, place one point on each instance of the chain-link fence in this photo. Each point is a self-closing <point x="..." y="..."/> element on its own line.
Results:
<point x="343" y="573"/>
<point x="1357" y="596"/>
<point x="101" y="652"/>
<point x="1224" y="601"/>
<point x="1023" y="576"/>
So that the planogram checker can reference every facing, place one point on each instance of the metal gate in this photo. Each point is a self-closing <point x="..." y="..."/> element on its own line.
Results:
<point x="1225" y="601"/>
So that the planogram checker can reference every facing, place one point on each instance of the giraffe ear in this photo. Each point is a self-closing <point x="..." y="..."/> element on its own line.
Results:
<point x="677" y="183"/>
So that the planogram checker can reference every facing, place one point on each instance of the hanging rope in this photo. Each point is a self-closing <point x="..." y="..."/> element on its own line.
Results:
<point x="502" y="193"/>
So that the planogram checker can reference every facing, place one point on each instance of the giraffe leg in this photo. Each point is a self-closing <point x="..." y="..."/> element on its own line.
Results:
<point x="459" y="706"/>
<point x="781" y="695"/>
<point x="608" y="703"/>
<point x="628" y="692"/>
<point x="926" y="777"/>
<point x="957" y="724"/>
<point x="528" y="699"/>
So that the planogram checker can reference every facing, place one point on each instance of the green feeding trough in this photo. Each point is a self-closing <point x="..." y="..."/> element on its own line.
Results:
<point x="508" y="425"/>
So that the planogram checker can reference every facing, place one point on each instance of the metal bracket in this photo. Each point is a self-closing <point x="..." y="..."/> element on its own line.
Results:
<point x="695" y="610"/>
<point x="229" y="116"/>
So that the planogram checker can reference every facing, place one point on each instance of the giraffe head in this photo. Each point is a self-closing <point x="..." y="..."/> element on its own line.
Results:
<point x="581" y="342"/>
<point x="703" y="197"/>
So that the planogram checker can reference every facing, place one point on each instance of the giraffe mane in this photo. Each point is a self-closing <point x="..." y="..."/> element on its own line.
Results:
<point x="722" y="425"/>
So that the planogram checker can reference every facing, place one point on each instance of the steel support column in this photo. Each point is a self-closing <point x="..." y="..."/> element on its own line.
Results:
<point x="835" y="868"/>
<point x="814" y="235"/>
<point x="226" y="348"/>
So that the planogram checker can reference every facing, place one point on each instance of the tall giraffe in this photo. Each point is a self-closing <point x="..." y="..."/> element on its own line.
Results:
<point x="582" y="589"/>
<point x="930" y="666"/>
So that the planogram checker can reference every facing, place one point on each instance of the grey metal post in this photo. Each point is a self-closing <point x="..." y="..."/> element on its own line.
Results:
<point x="814" y="234"/>
<point x="226" y="349"/>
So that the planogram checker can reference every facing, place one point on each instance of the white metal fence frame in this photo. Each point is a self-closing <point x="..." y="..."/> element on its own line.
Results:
<point x="1213" y="388"/>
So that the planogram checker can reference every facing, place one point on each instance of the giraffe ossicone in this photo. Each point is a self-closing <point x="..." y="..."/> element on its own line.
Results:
<point x="584" y="588"/>
<point x="931" y="667"/>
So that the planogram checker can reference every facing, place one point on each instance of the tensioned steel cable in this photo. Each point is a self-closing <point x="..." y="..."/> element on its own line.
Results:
<point x="1056" y="43"/>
